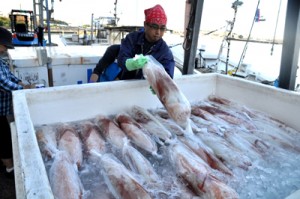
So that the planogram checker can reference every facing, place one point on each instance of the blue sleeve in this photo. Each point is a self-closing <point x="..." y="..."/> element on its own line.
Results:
<point x="126" y="51"/>
<point x="165" y="57"/>
<point x="14" y="78"/>
<point x="169" y="63"/>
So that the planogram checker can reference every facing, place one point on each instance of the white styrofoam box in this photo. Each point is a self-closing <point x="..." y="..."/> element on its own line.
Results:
<point x="79" y="102"/>
<point x="73" y="64"/>
<point x="59" y="55"/>
<point x="24" y="56"/>
<point x="32" y="75"/>
<point x="75" y="55"/>
<point x="71" y="74"/>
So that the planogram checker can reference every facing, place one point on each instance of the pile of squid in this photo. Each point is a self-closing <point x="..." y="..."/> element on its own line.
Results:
<point x="141" y="153"/>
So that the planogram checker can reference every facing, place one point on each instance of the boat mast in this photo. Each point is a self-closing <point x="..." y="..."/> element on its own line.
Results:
<point x="38" y="9"/>
<point x="115" y="12"/>
<point x="247" y="41"/>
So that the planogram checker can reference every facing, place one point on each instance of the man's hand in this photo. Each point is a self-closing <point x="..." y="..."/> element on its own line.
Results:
<point x="135" y="63"/>
<point x="27" y="86"/>
<point x="94" y="78"/>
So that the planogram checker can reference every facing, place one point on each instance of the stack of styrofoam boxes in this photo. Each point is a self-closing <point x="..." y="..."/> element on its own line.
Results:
<point x="29" y="64"/>
<point x="70" y="65"/>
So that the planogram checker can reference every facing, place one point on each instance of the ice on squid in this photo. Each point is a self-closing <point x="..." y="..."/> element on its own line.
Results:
<point x="232" y="118"/>
<point x="198" y="122"/>
<point x="234" y="138"/>
<point x="119" y="179"/>
<point x="168" y="93"/>
<point x="171" y="126"/>
<point x="204" y="152"/>
<point x="197" y="174"/>
<point x="111" y="131"/>
<point x="273" y="135"/>
<point x="139" y="164"/>
<point x="231" y="156"/>
<point x="69" y="141"/>
<point x="136" y="133"/>
<point x="46" y="137"/>
<point x="229" y="106"/>
<point x="163" y="117"/>
<point x="91" y="138"/>
<point x="63" y="177"/>
<point x="198" y="111"/>
<point x="149" y="122"/>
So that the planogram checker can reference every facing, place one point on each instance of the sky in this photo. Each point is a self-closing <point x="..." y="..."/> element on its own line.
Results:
<point x="131" y="12"/>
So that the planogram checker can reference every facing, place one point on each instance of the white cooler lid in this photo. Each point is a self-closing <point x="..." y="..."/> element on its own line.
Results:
<point x="75" y="55"/>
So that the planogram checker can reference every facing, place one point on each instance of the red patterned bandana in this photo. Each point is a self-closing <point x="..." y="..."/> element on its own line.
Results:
<point x="156" y="15"/>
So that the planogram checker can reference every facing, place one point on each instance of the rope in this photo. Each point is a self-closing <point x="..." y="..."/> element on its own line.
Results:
<point x="246" y="44"/>
<point x="272" y="49"/>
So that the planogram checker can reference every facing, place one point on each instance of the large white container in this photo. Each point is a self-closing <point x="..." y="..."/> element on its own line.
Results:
<point x="73" y="64"/>
<point x="79" y="102"/>
<point x="55" y="66"/>
<point x="27" y="65"/>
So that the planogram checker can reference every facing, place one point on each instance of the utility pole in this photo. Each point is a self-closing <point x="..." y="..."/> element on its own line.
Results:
<point x="92" y="28"/>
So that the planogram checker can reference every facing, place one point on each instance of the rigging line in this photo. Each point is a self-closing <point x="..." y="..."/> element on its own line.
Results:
<point x="228" y="35"/>
<point x="247" y="41"/>
<point x="272" y="49"/>
<point x="212" y="31"/>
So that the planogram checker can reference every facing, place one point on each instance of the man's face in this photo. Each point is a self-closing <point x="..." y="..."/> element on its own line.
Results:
<point x="154" y="32"/>
<point x="3" y="51"/>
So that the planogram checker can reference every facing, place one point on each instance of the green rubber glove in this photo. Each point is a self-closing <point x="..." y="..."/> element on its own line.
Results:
<point x="152" y="90"/>
<point x="135" y="63"/>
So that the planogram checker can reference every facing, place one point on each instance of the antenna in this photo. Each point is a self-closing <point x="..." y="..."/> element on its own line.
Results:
<point x="236" y="4"/>
<point x="115" y="12"/>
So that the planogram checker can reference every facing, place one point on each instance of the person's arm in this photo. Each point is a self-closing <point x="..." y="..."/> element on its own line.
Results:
<point x="8" y="85"/>
<point x="26" y="86"/>
<point x="8" y="81"/>
<point x="107" y="59"/>
<point x="169" y="64"/>
<point x="16" y="80"/>
<point x="126" y="51"/>
<point x="165" y="56"/>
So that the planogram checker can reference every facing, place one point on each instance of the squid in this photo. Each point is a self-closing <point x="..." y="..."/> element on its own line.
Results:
<point x="149" y="122"/>
<point x="64" y="179"/>
<point x="91" y="138"/>
<point x="168" y="92"/>
<point x="138" y="163"/>
<point x="119" y="179"/>
<point x="136" y="133"/>
<point x="111" y="131"/>
<point x="69" y="141"/>
<point x="196" y="173"/>
<point x="46" y="137"/>
<point x="204" y="152"/>
<point x="228" y="154"/>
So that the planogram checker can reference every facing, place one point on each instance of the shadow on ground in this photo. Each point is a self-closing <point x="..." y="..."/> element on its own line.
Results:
<point x="7" y="185"/>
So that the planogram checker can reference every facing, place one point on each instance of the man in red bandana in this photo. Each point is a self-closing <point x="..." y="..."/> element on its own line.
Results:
<point x="146" y="42"/>
<point x="156" y="15"/>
